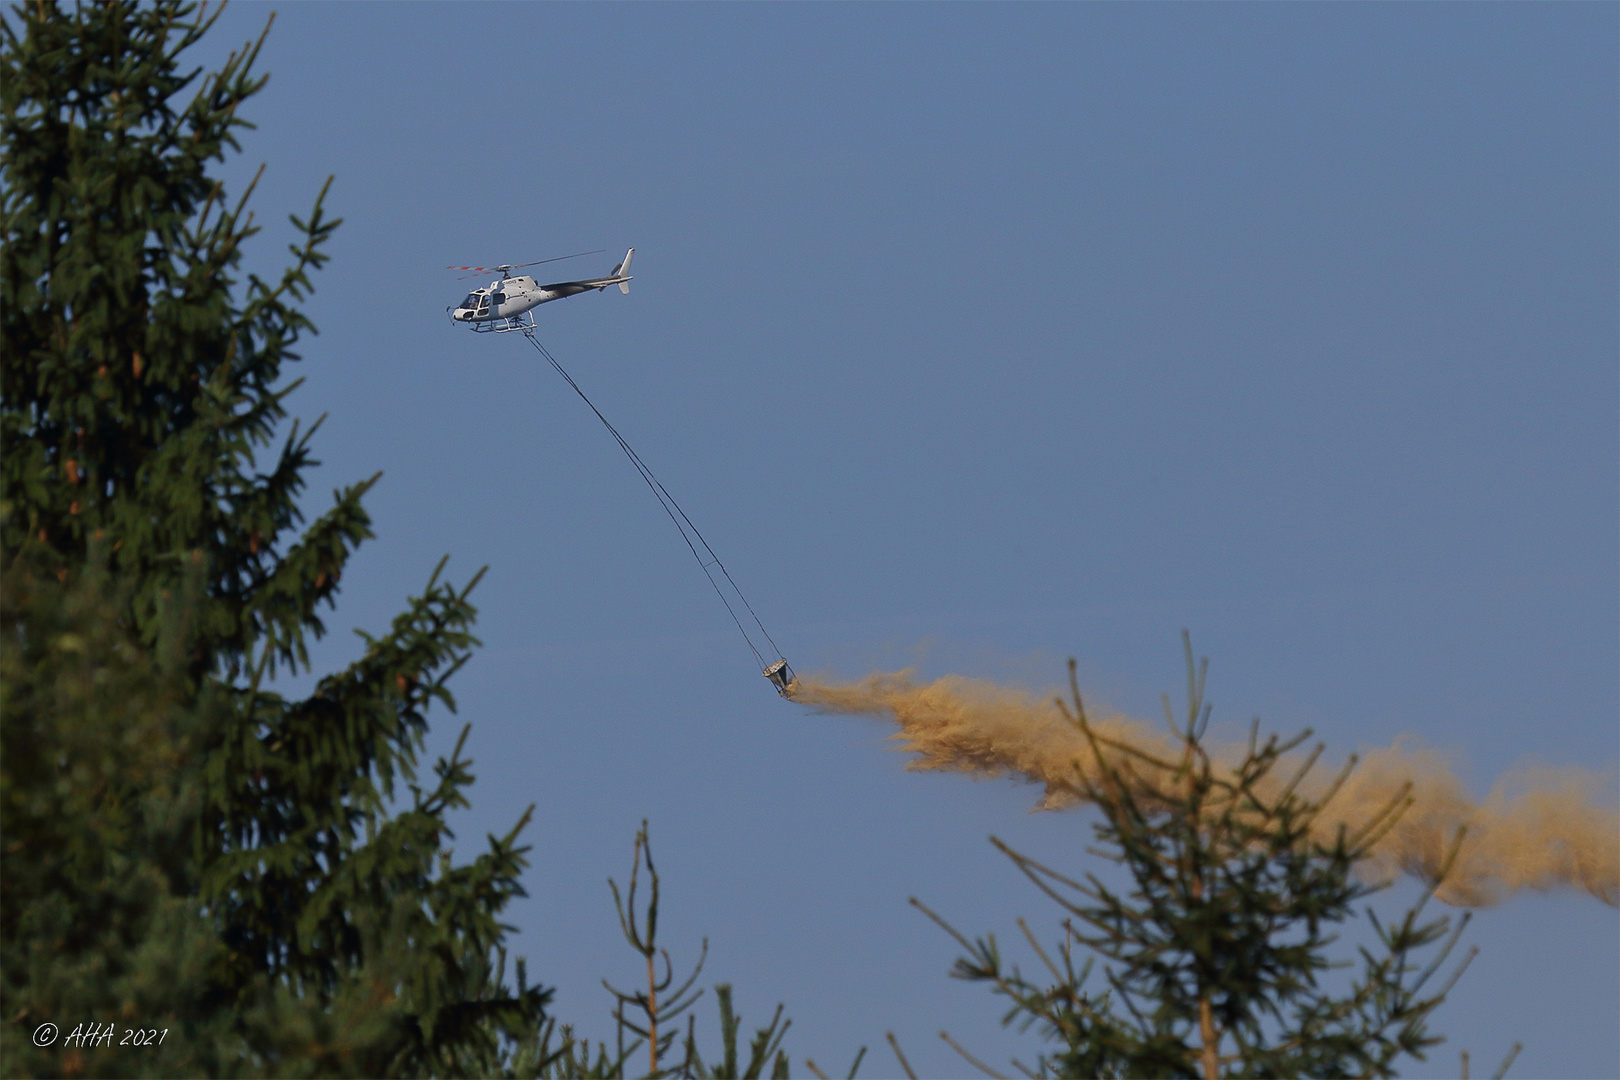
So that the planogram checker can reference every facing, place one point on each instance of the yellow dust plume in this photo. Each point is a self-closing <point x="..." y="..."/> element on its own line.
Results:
<point x="1538" y="829"/>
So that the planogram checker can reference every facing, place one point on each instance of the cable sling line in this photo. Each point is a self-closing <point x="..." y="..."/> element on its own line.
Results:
<point x="707" y="560"/>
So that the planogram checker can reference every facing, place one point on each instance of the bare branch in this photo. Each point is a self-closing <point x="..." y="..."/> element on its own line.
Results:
<point x="905" y="1066"/>
<point x="970" y="1059"/>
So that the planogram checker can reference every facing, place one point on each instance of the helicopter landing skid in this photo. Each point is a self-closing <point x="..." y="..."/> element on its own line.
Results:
<point x="521" y="323"/>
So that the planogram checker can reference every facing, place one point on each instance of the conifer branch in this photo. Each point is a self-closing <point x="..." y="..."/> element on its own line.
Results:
<point x="905" y="1066"/>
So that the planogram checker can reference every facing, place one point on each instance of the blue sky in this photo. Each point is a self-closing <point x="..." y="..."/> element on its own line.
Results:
<point x="974" y="338"/>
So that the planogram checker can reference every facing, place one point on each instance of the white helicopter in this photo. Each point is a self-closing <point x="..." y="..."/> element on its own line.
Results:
<point x="508" y="304"/>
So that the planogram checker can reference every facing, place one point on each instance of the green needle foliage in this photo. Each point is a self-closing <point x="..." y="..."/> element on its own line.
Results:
<point x="1214" y="962"/>
<point x="184" y="848"/>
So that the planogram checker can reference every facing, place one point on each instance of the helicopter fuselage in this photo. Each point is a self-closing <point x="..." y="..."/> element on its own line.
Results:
<point x="502" y="300"/>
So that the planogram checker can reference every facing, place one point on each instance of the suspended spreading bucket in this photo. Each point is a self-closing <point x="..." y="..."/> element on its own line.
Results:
<point x="782" y="678"/>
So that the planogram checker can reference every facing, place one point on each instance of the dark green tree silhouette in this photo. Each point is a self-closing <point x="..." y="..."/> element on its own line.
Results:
<point x="184" y="848"/>
<point x="1219" y="961"/>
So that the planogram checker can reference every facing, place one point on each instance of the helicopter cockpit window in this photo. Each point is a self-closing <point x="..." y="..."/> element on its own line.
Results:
<point x="471" y="301"/>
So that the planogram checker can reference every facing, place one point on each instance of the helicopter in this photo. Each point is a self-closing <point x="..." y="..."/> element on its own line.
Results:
<point x="508" y="304"/>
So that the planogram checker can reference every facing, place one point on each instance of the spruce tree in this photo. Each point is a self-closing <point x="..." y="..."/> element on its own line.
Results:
<point x="185" y="848"/>
<point x="1218" y="960"/>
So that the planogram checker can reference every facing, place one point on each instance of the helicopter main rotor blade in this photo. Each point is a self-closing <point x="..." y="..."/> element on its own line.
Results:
<point x="519" y="266"/>
<point x="559" y="258"/>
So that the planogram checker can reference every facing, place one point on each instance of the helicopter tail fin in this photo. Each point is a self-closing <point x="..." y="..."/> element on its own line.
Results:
<point x="623" y="270"/>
